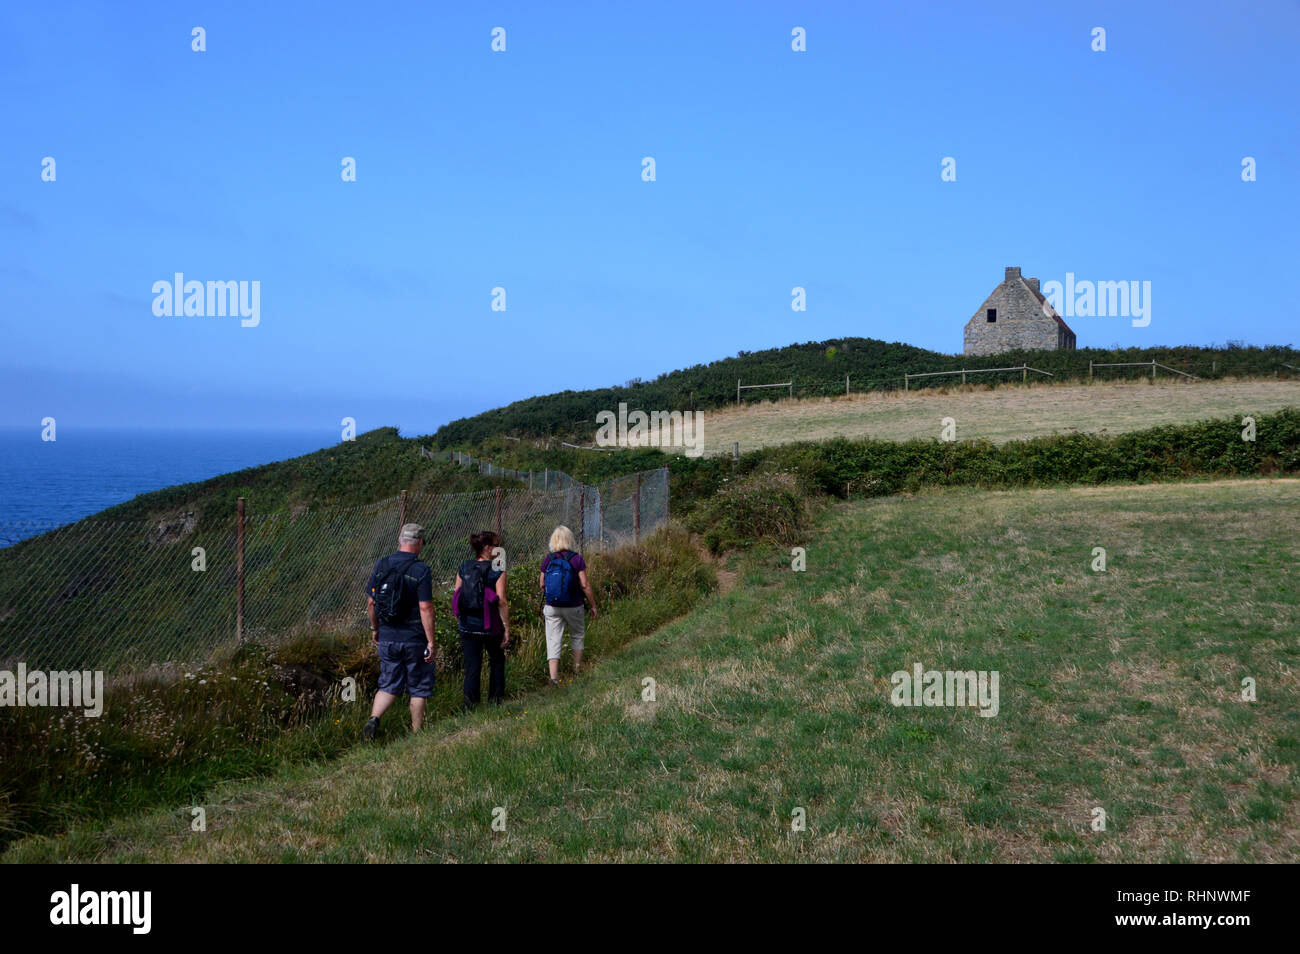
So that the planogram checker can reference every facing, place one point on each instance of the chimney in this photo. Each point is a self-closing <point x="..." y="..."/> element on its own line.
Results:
<point x="1013" y="271"/>
<point x="1033" y="283"/>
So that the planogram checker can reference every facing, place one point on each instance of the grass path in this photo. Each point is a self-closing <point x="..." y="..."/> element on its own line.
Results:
<point x="1119" y="690"/>
<point x="1009" y="412"/>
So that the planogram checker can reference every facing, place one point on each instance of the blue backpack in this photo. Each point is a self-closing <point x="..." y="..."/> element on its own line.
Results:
<point x="561" y="578"/>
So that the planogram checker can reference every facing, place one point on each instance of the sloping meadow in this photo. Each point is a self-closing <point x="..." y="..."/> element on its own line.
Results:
<point x="763" y="725"/>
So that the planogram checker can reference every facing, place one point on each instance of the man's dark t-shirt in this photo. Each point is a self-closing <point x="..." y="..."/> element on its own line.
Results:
<point x="419" y="581"/>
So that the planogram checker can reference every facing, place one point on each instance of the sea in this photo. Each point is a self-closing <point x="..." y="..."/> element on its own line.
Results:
<point x="82" y="471"/>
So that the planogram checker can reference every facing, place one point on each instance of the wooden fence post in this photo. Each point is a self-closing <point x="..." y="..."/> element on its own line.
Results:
<point x="498" y="511"/>
<point x="1090" y="370"/>
<point x="239" y="570"/>
<point x="582" y="514"/>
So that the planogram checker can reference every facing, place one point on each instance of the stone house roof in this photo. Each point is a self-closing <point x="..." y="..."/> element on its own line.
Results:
<point x="1032" y="285"/>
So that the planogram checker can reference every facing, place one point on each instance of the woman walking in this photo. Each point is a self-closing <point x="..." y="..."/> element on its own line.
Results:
<point x="564" y="583"/>
<point x="483" y="614"/>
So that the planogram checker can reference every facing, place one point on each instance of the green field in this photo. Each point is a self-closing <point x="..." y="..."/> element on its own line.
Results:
<point x="1007" y="412"/>
<point x="1119" y="690"/>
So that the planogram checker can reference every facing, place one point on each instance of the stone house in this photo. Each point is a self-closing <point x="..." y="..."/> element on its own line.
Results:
<point x="1016" y="317"/>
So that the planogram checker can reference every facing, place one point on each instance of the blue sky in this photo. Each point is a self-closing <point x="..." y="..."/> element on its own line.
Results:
<point x="522" y="169"/>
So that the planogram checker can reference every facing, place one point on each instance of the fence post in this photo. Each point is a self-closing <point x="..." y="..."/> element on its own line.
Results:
<point x="1153" y="369"/>
<point x="737" y="392"/>
<point x="963" y="375"/>
<point x="1090" y="370"/>
<point x="498" y="511"/>
<point x="401" y="513"/>
<point x="600" y="511"/>
<point x="735" y="450"/>
<point x="636" y="513"/>
<point x="1024" y="373"/>
<point x="846" y="384"/>
<point x="239" y="570"/>
<point x="906" y="382"/>
<point x="582" y="514"/>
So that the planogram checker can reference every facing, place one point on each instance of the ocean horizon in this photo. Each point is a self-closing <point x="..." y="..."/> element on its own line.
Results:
<point x="85" y="470"/>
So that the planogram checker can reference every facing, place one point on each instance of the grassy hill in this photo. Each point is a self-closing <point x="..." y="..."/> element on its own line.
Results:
<point x="378" y="464"/>
<point x="1120" y="690"/>
<point x="171" y="742"/>
<point x="818" y="368"/>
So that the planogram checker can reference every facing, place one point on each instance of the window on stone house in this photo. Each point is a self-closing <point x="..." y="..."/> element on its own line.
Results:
<point x="992" y="314"/>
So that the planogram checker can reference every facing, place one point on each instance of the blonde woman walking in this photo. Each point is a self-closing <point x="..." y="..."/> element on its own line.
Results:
<point x="564" y="583"/>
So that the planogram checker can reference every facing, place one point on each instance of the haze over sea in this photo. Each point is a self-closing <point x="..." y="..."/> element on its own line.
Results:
<point x="85" y="470"/>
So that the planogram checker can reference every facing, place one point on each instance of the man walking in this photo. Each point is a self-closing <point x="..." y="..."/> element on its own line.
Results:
<point x="399" y="599"/>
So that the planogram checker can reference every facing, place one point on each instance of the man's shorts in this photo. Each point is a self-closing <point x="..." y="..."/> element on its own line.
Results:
<point x="557" y="618"/>
<point x="402" y="666"/>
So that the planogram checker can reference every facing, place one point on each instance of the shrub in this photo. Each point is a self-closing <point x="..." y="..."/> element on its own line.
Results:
<point x="765" y="506"/>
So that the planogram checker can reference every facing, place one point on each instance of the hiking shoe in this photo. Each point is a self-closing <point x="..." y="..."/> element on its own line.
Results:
<point x="372" y="726"/>
<point x="555" y="684"/>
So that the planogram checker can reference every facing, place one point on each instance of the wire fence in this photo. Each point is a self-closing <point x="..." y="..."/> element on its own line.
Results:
<point x="124" y="597"/>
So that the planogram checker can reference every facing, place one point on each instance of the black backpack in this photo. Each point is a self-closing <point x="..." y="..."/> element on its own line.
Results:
<point x="394" y="596"/>
<point x="473" y="581"/>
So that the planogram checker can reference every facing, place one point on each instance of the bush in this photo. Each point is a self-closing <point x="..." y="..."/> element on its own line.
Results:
<point x="766" y="506"/>
<point x="845" y="468"/>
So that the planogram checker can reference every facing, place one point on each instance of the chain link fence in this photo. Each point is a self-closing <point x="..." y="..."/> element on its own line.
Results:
<point x="124" y="597"/>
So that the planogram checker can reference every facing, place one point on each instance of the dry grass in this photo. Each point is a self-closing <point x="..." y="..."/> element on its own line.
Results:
<point x="1009" y="412"/>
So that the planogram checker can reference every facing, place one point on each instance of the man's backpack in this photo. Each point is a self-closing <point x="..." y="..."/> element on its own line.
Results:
<point x="561" y="578"/>
<point x="393" y="594"/>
